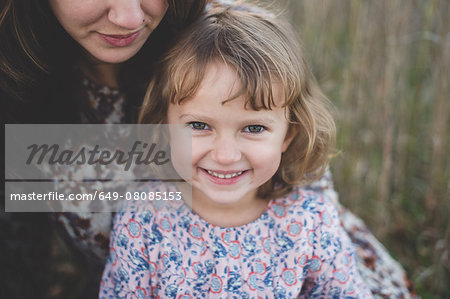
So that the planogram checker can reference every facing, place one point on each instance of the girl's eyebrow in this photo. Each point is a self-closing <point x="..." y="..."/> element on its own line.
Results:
<point x="259" y="121"/>
<point x="196" y="116"/>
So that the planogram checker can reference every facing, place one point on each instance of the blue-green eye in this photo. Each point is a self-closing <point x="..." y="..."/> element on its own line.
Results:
<point x="254" y="129"/>
<point x="197" y="125"/>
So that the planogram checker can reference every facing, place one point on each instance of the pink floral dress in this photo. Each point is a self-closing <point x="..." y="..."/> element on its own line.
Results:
<point x="295" y="249"/>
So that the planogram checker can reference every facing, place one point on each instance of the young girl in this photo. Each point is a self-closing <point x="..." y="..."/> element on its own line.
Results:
<point x="259" y="128"/>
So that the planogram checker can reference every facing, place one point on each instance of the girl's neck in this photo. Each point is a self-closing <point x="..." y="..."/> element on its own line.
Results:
<point x="101" y="73"/>
<point x="244" y="212"/>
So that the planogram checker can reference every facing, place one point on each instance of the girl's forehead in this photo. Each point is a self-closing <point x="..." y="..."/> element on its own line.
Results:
<point x="223" y="81"/>
<point x="212" y="106"/>
<point x="221" y="77"/>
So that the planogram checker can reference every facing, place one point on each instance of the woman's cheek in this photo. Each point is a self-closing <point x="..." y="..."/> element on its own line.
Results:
<point x="155" y="8"/>
<point x="77" y="13"/>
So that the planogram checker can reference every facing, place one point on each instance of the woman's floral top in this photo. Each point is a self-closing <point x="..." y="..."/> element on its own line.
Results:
<point x="295" y="249"/>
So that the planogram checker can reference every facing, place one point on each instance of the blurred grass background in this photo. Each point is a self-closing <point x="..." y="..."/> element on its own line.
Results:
<point x="385" y="66"/>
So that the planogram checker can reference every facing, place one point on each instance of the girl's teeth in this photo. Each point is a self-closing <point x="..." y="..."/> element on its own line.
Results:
<point x="224" y="176"/>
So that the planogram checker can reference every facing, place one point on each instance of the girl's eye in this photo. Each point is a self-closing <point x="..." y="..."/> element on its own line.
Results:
<point x="254" y="129"/>
<point x="196" y="125"/>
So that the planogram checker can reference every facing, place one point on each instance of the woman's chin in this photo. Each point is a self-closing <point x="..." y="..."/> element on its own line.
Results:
<point x="116" y="55"/>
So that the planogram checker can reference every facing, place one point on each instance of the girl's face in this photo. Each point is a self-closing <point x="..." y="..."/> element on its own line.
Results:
<point x="234" y="150"/>
<point x="111" y="31"/>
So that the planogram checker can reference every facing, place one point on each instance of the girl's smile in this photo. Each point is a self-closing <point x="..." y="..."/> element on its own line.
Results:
<point x="224" y="177"/>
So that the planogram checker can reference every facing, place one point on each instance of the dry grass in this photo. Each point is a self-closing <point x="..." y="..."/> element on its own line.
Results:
<point x="385" y="66"/>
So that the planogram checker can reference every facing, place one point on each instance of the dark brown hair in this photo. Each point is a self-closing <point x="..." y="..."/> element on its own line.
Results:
<point x="263" y="51"/>
<point x="39" y="78"/>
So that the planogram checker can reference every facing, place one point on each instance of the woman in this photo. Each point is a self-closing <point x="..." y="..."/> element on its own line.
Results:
<point x="83" y="61"/>
<point x="68" y="61"/>
<point x="111" y="44"/>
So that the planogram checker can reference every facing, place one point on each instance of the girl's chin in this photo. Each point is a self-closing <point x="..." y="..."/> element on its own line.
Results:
<point x="225" y="198"/>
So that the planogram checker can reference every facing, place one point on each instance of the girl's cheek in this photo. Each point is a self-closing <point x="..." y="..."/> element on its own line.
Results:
<point x="200" y="148"/>
<point x="181" y="160"/>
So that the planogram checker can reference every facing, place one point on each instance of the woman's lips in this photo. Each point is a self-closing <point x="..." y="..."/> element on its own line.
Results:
<point x="224" y="177"/>
<point x="119" y="40"/>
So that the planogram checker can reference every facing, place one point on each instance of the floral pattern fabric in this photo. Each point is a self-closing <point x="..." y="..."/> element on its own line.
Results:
<point x="295" y="249"/>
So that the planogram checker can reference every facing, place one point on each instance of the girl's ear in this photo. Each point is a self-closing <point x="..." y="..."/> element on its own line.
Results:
<point x="291" y="133"/>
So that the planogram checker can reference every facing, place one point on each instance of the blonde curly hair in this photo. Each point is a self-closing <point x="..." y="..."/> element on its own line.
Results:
<point x="263" y="51"/>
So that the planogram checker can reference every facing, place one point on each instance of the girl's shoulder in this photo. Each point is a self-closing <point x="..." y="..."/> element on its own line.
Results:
<point x="302" y="218"/>
<point x="301" y="203"/>
<point x="154" y="199"/>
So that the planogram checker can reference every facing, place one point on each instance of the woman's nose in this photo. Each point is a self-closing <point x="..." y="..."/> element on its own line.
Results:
<point x="127" y="14"/>
<point x="226" y="151"/>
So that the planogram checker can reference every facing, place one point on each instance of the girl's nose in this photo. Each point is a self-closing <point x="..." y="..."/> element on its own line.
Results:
<point x="226" y="151"/>
<point x="127" y="14"/>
